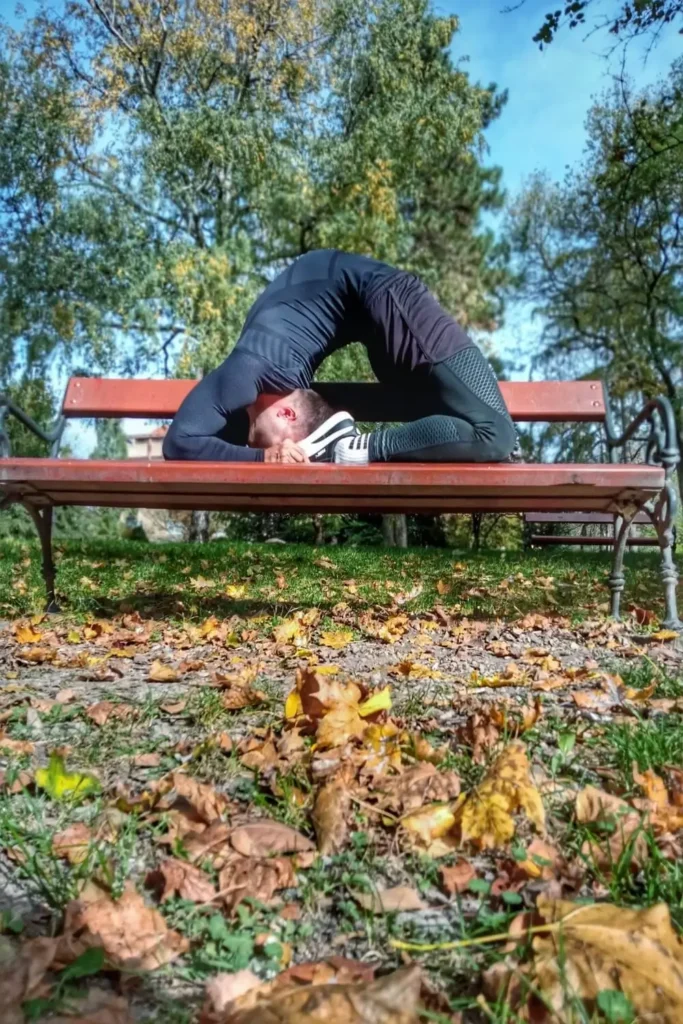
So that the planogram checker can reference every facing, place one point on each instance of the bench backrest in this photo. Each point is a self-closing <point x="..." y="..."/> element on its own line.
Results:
<point x="528" y="401"/>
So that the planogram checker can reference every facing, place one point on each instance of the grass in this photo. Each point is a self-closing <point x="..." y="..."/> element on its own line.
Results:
<point x="255" y="587"/>
<point x="183" y="581"/>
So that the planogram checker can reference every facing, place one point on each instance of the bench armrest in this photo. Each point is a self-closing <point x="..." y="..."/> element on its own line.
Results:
<point x="661" y="441"/>
<point x="52" y="437"/>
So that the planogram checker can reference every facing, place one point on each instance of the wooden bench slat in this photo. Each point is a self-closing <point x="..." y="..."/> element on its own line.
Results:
<point x="528" y="401"/>
<point x="380" y="487"/>
<point x="581" y="517"/>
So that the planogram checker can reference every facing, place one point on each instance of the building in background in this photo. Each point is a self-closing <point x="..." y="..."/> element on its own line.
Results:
<point x="146" y="444"/>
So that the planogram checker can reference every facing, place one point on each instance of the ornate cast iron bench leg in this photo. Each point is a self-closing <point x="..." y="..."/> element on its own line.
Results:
<point x="663" y="518"/>
<point x="42" y="517"/>
<point x="617" y="580"/>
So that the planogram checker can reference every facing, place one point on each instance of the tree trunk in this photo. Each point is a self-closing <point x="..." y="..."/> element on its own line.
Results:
<point x="199" y="528"/>
<point x="318" y="529"/>
<point x="476" y="530"/>
<point x="395" y="530"/>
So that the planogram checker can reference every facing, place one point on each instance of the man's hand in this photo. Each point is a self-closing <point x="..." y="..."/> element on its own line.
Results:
<point x="286" y="451"/>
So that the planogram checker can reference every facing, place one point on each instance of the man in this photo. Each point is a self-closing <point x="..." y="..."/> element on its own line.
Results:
<point x="258" y="406"/>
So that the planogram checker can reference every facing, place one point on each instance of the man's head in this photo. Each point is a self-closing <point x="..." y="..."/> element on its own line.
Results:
<point x="292" y="416"/>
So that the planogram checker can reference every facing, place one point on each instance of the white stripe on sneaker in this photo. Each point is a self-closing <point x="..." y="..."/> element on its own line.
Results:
<point x="341" y="424"/>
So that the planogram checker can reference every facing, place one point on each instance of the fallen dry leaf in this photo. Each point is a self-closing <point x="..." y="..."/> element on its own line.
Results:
<point x="413" y="788"/>
<point x="73" y="842"/>
<point x="161" y="673"/>
<point x="336" y="638"/>
<point x="266" y="837"/>
<point x="196" y="800"/>
<point x="132" y="935"/>
<point x="98" y="1006"/>
<point x="486" y="815"/>
<point x="455" y="878"/>
<point x="601" y="947"/>
<point x="12" y="746"/>
<point x="225" y="988"/>
<point x="430" y="822"/>
<point x="106" y="711"/>
<point x="150" y="760"/>
<point x="384" y="901"/>
<point x="594" y="805"/>
<point x="253" y="878"/>
<point x="330" y="815"/>
<point x="176" y="877"/>
<point x="392" y="999"/>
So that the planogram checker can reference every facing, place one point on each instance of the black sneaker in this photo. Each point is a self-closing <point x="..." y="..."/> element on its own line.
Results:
<point x="320" y="445"/>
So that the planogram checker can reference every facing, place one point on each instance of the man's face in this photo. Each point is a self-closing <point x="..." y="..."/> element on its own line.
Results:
<point x="273" y="419"/>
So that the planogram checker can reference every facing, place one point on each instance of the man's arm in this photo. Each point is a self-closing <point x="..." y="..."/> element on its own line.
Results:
<point x="216" y="403"/>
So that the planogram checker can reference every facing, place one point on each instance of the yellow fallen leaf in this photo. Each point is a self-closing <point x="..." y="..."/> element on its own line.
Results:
<point x="26" y="634"/>
<point x="293" y="705"/>
<point x="665" y="634"/>
<point x="288" y="631"/>
<point x="380" y="701"/>
<point x="430" y="822"/>
<point x="339" y="725"/>
<point x="200" y="583"/>
<point x="336" y="638"/>
<point x="60" y="784"/>
<point x="486" y="815"/>
<point x="208" y="628"/>
<point x="162" y="673"/>
<point x="235" y="590"/>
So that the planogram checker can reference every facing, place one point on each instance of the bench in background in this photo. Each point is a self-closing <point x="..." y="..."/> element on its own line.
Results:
<point x="619" y="489"/>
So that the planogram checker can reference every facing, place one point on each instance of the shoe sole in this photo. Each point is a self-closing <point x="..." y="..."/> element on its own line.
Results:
<point x="333" y="429"/>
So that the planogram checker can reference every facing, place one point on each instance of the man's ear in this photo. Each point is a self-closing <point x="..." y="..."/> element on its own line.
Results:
<point x="287" y="412"/>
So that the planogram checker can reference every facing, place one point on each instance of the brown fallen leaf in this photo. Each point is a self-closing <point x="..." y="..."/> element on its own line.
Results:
<point x="176" y="877"/>
<point x="600" y="947"/>
<point x="485" y="817"/>
<point x="65" y="696"/>
<point x="339" y="725"/>
<point x="24" y="633"/>
<point x="223" y="989"/>
<point x="174" y="707"/>
<point x="455" y="878"/>
<point x="594" y="805"/>
<point x="106" y="711"/>
<point x="22" y="974"/>
<point x="385" y="901"/>
<point x="132" y="935"/>
<point x="393" y="999"/>
<point x="331" y="813"/>
<point x="665" y="814"/>
<point x="13" y="746"/>
<point x="150" y="760"/>
<point x="413" y="788"/>
<point x="196" y="800"/>
<point x="161" y="673"/>
<point x="209" y="846"/>
<point x="542" y="861"/>
<point x="265" y="837"/>
<point x="430" y="823"/>
<point x="251" y="878"/>
<point x="97" y="1007"/>
<point x="73" y="843"/>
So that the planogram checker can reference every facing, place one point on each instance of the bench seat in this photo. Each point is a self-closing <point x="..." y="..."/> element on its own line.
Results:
<point x="394" y="487"/>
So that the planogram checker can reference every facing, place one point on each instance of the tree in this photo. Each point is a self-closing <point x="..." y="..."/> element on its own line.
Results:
<point x="601" y="255"/>
<point x="631" y="18"/>
<point x="161" y="161"/>
<point x="111" y="440"/>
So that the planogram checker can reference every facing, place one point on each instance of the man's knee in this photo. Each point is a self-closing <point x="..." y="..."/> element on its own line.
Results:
<point x="499" y="443"/>
<point x="176" y="445"/>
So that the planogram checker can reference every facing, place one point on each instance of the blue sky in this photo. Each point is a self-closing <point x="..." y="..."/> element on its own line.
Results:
<point x="550" y="93"/>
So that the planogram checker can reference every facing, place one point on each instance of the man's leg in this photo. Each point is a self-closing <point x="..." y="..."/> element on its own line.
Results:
<point x="470" y="422"/>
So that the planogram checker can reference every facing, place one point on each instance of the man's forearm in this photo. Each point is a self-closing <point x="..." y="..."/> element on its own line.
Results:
<point x="207" y="449"/>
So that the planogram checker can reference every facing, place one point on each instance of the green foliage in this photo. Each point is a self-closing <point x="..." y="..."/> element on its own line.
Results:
<point x="599" y="255"/>
<point x="629" y="19"/>
<point x="111" y="440"/>
<point x="158" y="167"/>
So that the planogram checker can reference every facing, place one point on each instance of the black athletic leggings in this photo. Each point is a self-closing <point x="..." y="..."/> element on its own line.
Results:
<point x="464" y="417"/>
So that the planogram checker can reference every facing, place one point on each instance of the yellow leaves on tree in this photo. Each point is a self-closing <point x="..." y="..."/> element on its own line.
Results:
<point x="485" y="818"/>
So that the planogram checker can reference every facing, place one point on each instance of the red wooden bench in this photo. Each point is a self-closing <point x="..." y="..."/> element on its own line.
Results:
<point x="620" y="489"/>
